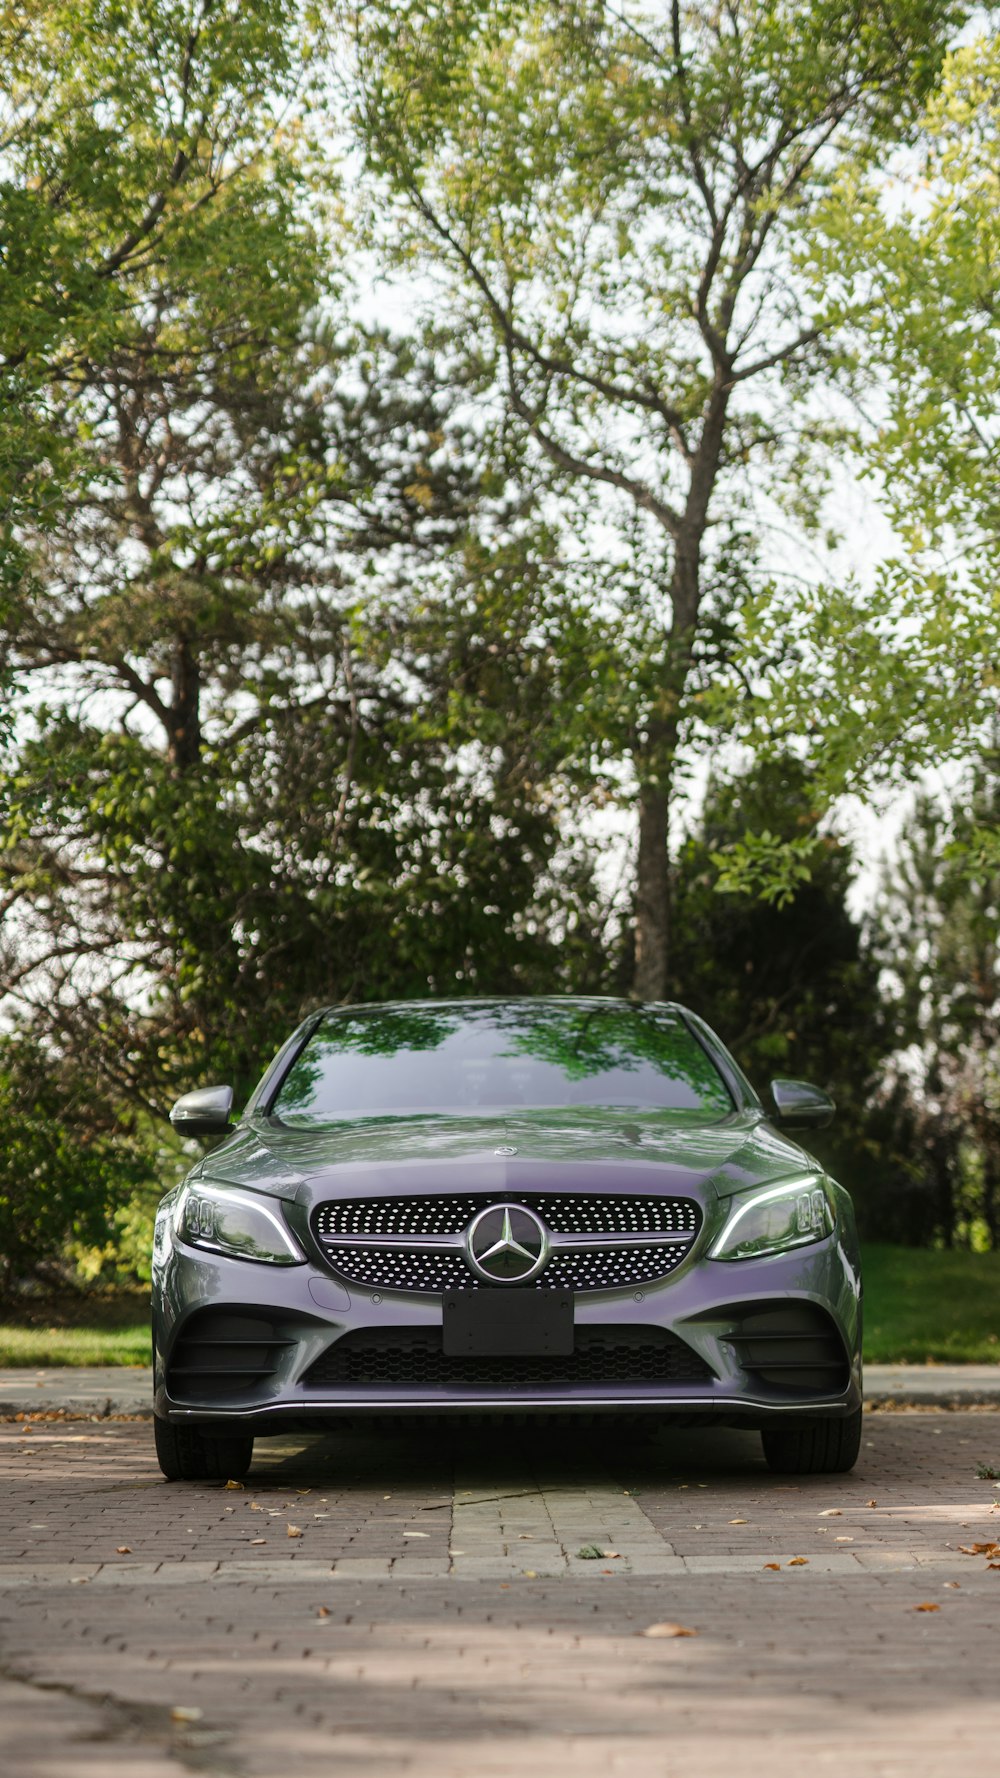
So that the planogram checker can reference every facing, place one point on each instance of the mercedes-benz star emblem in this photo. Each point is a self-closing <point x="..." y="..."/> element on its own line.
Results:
<point x="505" y="1150"/>
<point x="506" y="1244"/>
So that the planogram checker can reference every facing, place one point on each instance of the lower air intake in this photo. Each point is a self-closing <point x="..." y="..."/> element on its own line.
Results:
<point x="220" y="1355"/>
<point x="791" y="1346"/>
<point x="398" y="1358"/>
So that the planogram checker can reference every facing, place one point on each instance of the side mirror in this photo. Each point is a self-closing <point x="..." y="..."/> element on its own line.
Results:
<point x="798" y="1106"/>
<point x="203" y="1113"/>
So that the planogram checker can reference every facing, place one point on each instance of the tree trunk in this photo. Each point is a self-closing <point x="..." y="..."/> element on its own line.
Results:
<point x="184" y="749"/>
<point x="652" y="897"/>
<point x="652" y="903"/>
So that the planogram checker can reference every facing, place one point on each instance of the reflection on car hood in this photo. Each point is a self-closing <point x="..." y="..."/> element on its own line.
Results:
<point x="581" y="1150"/>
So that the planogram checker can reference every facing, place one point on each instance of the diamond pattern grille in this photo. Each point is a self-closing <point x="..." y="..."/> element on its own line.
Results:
<point x="372" y="1220"/>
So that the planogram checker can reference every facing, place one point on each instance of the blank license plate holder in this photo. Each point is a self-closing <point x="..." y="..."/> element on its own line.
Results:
<point x="508" y="1323"/>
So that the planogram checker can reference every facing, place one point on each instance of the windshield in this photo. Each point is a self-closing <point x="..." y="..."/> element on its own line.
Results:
<point x="521" y="1055"/>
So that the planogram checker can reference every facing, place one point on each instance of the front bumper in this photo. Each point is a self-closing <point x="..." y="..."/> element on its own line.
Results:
<point x="712" y="1311"/>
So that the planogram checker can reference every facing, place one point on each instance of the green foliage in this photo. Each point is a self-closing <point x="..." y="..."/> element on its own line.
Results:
<point x="786" y="983"/>
<point x="935" y="935"/>
<point x="899" y="670"/>
<point x="615" y="200"/>
<point x="69" y="1159"/>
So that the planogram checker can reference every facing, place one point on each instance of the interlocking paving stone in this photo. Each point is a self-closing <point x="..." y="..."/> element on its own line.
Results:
<point x="361" y="1650"/>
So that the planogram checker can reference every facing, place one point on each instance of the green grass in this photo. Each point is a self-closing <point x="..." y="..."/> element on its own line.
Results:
<point x="918" y="1306"/>
<point x="105" y="1329"/>
<point x="922" y="1305"/>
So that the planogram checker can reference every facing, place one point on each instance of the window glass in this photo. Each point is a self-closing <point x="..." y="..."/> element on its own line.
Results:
<point x="518" y="1055"/>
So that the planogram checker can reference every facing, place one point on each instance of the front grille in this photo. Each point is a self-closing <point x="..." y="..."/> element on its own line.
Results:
<point x="415" y="1358"/>
<point x="223" y="1354"/>
<point x="791" y="1346"/>
<point x="351" y="1232"/>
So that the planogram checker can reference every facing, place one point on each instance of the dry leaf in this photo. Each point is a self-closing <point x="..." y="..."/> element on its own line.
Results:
<point x="234" y="1485"/>
<point x="927" y="1606"/>
<point x="122" y="1549"/>
<point x="871" y="1502"/>
<point x="832" y="1512"/>
<point x="294" y="1531"/>
<point x="739" y="1521"/>
<point x="993" y="1564"/>
<point x="324" y="1611"/>
<point x="843" y="1540"/>
<point x="254" y="1540"/>
<point x="531" y="1574"/>
<point x="799" y="1562"/>
<point x="255" y="1506"/>
<point x="980" y="1549"/>
<point x="416" y="1533"/>
<point x="668" y="1630"/>
<point x="186" y="1713"/>
<point x="775" y="1565"/>
<point x="612" y="1555"/>
<point x="956" y="1584"/>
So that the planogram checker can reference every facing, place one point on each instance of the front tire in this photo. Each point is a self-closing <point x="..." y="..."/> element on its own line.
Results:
<point x="186" y="1454"/>
<point x="820" y="1447"/>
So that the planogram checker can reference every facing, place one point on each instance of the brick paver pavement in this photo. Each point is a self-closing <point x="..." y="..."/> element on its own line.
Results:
<point x="378" y="1605"/>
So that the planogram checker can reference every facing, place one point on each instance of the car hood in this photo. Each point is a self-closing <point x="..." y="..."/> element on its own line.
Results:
<point x="579" y="1150"/>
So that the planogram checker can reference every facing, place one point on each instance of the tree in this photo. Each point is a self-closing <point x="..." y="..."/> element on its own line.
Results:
<point x="258" y="762"/>
<point x="898" y="671"/>
<point x="69" y="1158"/>
<point x="614" y="199"/>
<point x="792" y="990"/>
<point x="935" y="936"/>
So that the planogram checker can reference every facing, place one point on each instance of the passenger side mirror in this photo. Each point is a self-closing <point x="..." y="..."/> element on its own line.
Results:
<point x="799" y="1106"/>
<point x="204" y="1112"/>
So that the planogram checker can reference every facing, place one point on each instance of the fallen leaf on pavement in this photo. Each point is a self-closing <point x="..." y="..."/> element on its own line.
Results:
<point x="843" y="1540"/>
<point x="668" y="1630"/>
<point x="416" y="1533"/>
<point x="294" y="1531"/>
<point x="254" y="1540"/>
<point x="775" y="1565"/>
<point x="234" y="1485"/>
<point x="799" y="1562"/>
<point x="871" y="1502"/>
<point x="927" y="1606"/>
<point x="531" y="1574"/>
<point x="186" y="1713"/>
<point x="324" y="1611"/>
<point x="612" y="1555"/>
<point x="980" y="1549"/>
<point x="122" y="1549"/>
<point x="739" y="1521"/>
<point x="993" y="1564"/>
<point x="832" y="1512"/>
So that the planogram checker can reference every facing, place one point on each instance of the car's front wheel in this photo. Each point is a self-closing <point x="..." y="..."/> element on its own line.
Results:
<point x="186" y="1454"/>
<point x="820" y="1447"/>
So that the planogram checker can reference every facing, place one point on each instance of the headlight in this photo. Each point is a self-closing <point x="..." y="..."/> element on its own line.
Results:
<point x="236" y="1223"/>
<point x="790" y="1215"/>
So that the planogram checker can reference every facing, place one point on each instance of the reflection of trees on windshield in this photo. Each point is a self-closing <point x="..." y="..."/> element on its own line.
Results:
<point x="603" y="1040"/>
<point x="384" y="1033"/>
<point x="467" y="1056"/>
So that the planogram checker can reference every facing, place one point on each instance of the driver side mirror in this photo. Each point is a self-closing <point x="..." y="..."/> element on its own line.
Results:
<point x="799" y="1106"/>
<point x="205" y="1112"/>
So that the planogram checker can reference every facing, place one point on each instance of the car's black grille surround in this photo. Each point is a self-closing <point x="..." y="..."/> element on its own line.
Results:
<point x="792" y="1346"/>
<point x="414" y="1358"/>
<point x="224" y="1353"/>
<point x="350" y="1233"/>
